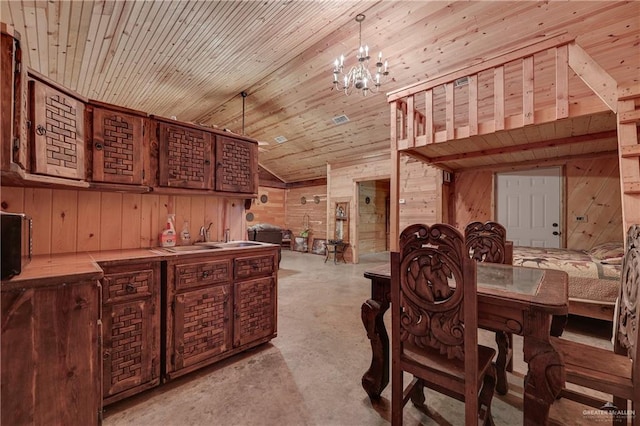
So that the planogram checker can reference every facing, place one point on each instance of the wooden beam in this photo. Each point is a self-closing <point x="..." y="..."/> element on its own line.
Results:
<point x="594" y="76"/>
<point x="525" y="147"/>
<point x="428" y="114"/>
<point x="394" y="213"/>
<point x="527" y="90"/>
<point x="449" y="111"/>
<point x="629" y="151"/>
<point x="562" y="82"/>
<point x="473" y="104"/>
<point x="498" y="97"/>
<point x="411" y="121"/>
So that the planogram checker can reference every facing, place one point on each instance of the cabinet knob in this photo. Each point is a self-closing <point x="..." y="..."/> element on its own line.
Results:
<point x="105" y="355"/>
<point x="207" y="162"/>
<point x="130" y="288"/>
<point x="40" y="130"/>
<point x="205" y="274"/>
<point x="98" y="146"/>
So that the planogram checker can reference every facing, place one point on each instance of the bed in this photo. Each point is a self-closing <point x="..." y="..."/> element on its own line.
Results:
<point x="594" y="275"/>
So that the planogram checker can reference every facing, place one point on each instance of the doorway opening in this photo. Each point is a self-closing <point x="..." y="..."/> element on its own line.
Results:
<point x="373" y="211"/>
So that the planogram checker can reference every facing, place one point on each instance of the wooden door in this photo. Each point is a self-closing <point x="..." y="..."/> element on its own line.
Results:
<point x="254" y="310"/>
<point x="236" y="165"/>
<point x="201" y="327"/>
<point x="117" y="146"/>
<point x="528" y="206"/>
<point x="57" y="132"/>
<point x="186" y="156"/>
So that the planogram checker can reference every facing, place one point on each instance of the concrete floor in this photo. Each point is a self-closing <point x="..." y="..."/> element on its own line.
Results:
<point x="310" y="374"/>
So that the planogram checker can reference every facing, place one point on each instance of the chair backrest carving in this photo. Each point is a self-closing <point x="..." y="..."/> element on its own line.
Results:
<point x="628" y="329"/>
<point x="435" y="277"/>
<point x="486" y="242"/>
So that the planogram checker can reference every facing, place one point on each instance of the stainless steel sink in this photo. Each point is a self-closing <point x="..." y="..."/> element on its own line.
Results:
<point x="182" y="249"/>
<point x="234" y="244"/>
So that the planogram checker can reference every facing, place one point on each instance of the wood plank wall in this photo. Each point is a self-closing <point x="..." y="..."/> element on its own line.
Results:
<point x="419" y="187"/>
<point x="372" y="216"/>
<point x="67" y="221"/>
<point x="592" y="189"/>
<point x="314" y="214"/>
<point x="272" y="211"/>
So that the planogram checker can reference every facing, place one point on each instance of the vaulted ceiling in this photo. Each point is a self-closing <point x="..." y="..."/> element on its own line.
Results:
<point x="192" y="59"/>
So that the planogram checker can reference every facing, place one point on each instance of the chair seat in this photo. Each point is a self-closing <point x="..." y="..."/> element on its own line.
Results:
<point x="454" y="368"/>
<point x="585" y="366"/>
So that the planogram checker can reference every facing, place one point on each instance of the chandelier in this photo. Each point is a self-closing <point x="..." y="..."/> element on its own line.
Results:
<point x="359" y="77"/>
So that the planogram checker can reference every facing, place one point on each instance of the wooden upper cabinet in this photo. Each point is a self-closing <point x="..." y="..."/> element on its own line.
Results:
<point x="186" y="155"/>
<point x="236" y="165"/>
<point x="13" y="101"/>
<point x="117" y="145"/>
<point x="57" y="126"/>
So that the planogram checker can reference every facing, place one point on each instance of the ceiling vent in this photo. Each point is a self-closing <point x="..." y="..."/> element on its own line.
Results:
<point x="462" y="81"/>
<point x="280" y="139"/>
<point x="340" y="119"/>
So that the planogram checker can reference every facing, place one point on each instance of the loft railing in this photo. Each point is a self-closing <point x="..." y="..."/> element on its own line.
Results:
<point x="525" y="86"/>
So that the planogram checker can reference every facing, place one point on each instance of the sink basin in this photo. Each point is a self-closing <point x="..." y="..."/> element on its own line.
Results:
<point x="180" y="249"/>
<point x="234" y="244"/>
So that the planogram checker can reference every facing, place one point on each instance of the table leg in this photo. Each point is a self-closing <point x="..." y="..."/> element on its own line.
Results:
<point x="376" y="377"/>
<point x="546" y="375"/>
<point x="505" y="351"/>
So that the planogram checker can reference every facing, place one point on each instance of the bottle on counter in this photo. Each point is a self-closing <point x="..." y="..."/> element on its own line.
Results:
<point x="168" y="235"/>
<point x="185" y="235"/>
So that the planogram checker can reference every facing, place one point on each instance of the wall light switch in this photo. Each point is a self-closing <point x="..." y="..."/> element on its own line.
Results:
<point x="581" y="218"/>
<point x="401" y="201"/>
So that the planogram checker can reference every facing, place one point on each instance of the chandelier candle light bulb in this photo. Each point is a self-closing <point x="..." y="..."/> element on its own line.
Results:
<point x="359" y="76"/>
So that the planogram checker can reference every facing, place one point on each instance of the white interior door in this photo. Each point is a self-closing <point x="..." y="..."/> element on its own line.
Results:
<point x="528" y="204"/>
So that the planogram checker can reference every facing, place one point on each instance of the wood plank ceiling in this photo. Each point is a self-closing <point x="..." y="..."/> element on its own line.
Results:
<point x="191" y="59"/>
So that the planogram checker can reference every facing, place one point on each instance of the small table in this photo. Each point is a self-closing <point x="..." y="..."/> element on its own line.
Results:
<point x="530" y="302"/>
<point x="337" y="248"/>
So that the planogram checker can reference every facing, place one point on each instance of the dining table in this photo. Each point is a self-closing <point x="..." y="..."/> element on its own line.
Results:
<point x="529" y="302"/>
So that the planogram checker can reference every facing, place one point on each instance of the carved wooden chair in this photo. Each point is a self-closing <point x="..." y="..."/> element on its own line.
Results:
<point x="614" y="372"/>
<point x="434" y="324"/>
<point x="487" y="242"/>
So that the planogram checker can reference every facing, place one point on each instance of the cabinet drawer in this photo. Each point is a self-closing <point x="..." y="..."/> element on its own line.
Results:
<point x="127" y="285"/>
<point x="203" y="273"/>
<point x="254" y="266"/>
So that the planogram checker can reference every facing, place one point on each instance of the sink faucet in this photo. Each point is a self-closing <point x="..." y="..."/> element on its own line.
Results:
<point x="226" y="235"/>
<point x="204" y="233"/>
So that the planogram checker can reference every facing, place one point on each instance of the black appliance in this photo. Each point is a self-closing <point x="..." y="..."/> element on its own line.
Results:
<point x="15" y="243"/>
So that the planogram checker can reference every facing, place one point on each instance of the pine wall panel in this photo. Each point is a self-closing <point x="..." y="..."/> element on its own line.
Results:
<point x="67" y="221"/>
<point x="591" y="190"/>
<point x="272" y="211"/>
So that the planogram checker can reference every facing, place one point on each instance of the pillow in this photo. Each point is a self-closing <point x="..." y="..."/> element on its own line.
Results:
<point x="607" y="251"/>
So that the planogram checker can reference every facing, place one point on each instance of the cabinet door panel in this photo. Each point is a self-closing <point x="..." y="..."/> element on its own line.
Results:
<point x="255" y="310"/>
<point x="117" y="147"/>
<point x="50" y="355"/>
<point x="128" y="351"/>
<point x="201" y="325"/>
<point x="185" y="157"/>
<point x="236" y="165"/>
<point x="58" y="132"/>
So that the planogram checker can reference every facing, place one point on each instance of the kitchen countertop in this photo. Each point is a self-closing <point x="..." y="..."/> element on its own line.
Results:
<point x="56" y="269"/>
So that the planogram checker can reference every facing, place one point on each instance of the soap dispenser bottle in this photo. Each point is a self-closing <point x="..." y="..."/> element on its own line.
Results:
<point x="185" y="235"/>
<point x="168" y="235"/>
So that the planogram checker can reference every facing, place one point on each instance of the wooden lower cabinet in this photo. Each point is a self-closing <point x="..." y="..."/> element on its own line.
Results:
<point x="130" y="329"/>
<point x="50" y="354"/>
<point x="218" y="306"/>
